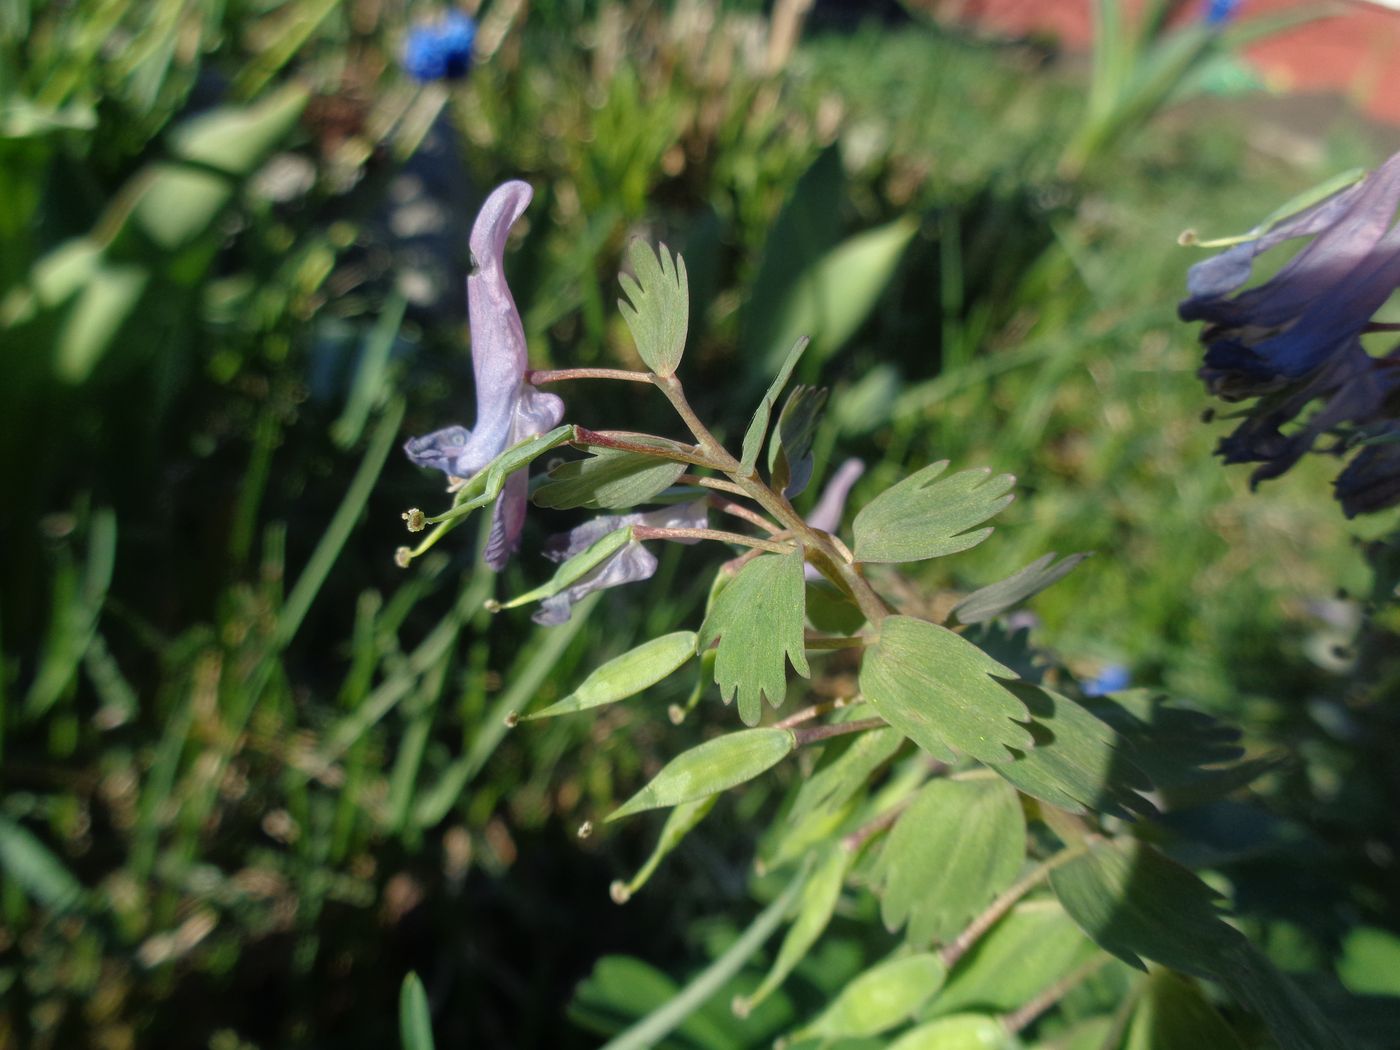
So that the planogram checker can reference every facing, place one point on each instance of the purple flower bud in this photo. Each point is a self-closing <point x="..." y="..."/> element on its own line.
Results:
<point x="508" y="410"/>
<point x="630" y="564"/>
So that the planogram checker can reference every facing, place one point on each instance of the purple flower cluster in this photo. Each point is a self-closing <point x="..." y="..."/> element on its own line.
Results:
<point x="1295" y="340"/>
<point x="508" y="409"/>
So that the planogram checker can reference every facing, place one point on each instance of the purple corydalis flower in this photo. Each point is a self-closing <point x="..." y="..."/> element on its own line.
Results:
<point x="508" y="410"/>
<point x="826" y="515"/>
<point x="629" y="564"/>
<point x="1316" y="307"/>
<point x="1371" y="481"/>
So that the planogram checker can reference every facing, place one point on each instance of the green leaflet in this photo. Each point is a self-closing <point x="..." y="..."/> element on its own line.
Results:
<point x="577" y="567"/>
<point x="883" y="996"/>
<point x="758" y="425"/>
<point x="757" y="619"/>
<point x="997" y="598"/>
<point x="608" y="479"/>
<point x="1027" y="951"/>
<point x="957" y="846"/>
<point x="713" y="766"/>
<point x="841" y="773"/>
<point x="658" y="314"/>
<point x="790" y="448"/>
<point x="957" y="1032"/>
<point x="815" y="907"/>
<point x="626" y="675"/>
<point x="922" y="517"/>
<point x="1078" y="763"/>
<point x="415" y="1021"/>
<point x="680" y="822"/>
<point x="1135" y="902"/>
<point x="1172" y="1014"/>
<point x="937" y="689"/>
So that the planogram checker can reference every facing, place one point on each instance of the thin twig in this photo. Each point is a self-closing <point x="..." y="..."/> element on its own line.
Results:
<point x="540" y="376"/>
<point x="728" y="506"/>
<point x="815" y="711"/>
<point x="957" y="948"/>
<point x="648" y="532"/>
<point x="712" y="483"/>
<point x="594" y="439"/>
<point x="867" y="831"/>
<point x="1020" y="1018"/>
<point x="817" y="733"/>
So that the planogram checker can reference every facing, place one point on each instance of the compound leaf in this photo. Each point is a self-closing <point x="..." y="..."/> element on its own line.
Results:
<point x="937" y="689"/>
<point x="658" y="314"/>
<point x="922" y="517"/>
<point x="757" y="619"/>
<point x="957" y="846"/>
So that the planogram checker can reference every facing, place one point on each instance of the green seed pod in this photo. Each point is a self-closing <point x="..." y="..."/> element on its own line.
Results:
<point x="626" y="675"/>
<point x="714" y="766"/>
<point x="885" y="995"/>
<point x="957" y="1032"/>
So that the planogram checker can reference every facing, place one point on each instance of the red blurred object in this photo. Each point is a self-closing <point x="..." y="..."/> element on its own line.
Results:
<point x="1355" y="52"/>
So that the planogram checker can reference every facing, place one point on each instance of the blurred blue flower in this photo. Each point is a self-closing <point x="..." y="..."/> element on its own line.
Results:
<point x="1295" y="340"/>
<point x="441" y="49"/>
<point x="1221" y="12"/>
<point x="1371" y="481"/>
<point x="1111" y="679"/>
<point x="508" y="409"/>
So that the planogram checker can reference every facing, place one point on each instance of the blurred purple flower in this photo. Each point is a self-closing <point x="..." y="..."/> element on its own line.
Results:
<point x="441" y="49"/>
<point x="826" y="515"/>
<point x="1295" y="339"/>
<point x="1371" y="481"/>
<point x="508" y="410"/>
<point x="630" y="564"/>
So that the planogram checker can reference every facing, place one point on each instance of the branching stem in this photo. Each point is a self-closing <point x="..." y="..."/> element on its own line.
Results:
<point x="728" y="506"/>
<point x="541" y="376"/>
<point x="815" y="711"/>
<point x="648" y="532"/>
<point x="594" y="439"/>
<point x="1020" y="1018"/>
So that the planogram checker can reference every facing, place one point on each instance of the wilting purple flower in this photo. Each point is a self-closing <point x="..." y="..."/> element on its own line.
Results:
<point x="1296" y="339"/>
<point x="1315" y="307"/>
<point x="1371" y="481"/>
<point x="826" y="515"/>
<point x="631" y="563"/>
<point x="442" y="49"/>
<point x="508" y="410"/>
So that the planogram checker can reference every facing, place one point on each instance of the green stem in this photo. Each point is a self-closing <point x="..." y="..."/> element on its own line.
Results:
<point x="540" y="376"/>
<point x="650" y="1030"/>
<point x="818" y="733"/>
<point x="648" y="532"/>
<point x="822" y="552"/>
<point x="593" y="439"/>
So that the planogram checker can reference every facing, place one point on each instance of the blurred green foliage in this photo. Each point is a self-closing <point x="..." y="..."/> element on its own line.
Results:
<point x="252" y="775"/>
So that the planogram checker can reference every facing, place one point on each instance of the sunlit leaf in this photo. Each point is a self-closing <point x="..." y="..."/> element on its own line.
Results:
<point x="711" y="767"/>
<point x="626" y="675"/>
<point x="937" y="689"/>
<point x="997" y="598"/>
<point x="924" y="517"/>
<point x="957" y="846"/>
<point x="658" y="313"/>
<point x="757" y="619"/>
